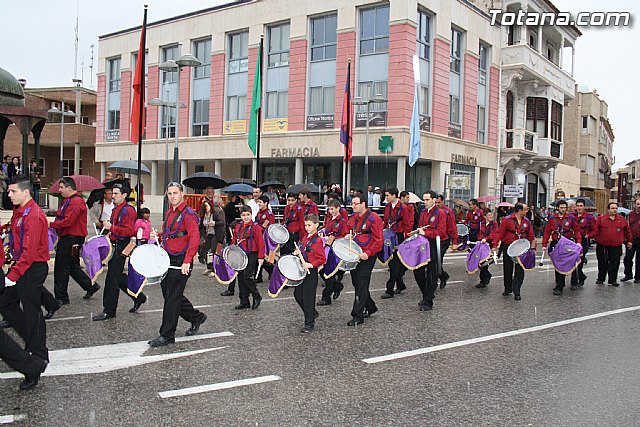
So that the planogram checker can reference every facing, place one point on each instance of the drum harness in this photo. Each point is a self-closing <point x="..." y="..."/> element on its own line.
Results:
<point x="335" y="227"/>
<point x="293" y="212"/>
<point x="363" y="227"/>
<point x="174" y="235"/>
<point x="65" y="206"/>
<point x="21" y="221"/>
<point x="119" y="222"/>
<point x="560" y="231"/>
<point x="394" y="219"/>
<point x="307" y="249"/>
<point x="243" y="235"/>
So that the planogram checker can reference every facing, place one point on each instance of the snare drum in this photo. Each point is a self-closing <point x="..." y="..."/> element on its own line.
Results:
<point x="414" y="252"/>
<point x="463" y="237"/>
<point x="290" y="266"/>
<point x="274" y="236"/>
<point x="566" y="256"/>
<point x="95" y="253"/>
<point x="348" y="252"/>
<point x="520" y="252"/>
<point x="150" y="261"/>
<point x="388" y="246"/>
<point x="479" y="257"/>
<point x="235" y="257"/>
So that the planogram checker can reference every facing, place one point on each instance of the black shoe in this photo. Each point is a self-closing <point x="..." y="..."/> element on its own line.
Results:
<point x="256" y="302"/>
<point x="574" y="287"/>
<point x="142" y="298"/>
<point x="580" y="283"/>
<point x="316" y="315"/>
<point x="386" y="295"/>
<point x="201" y="260"/>
<point x="51" y="312"/>
<point x="599" y="282"/>
<point x="425" y="307"/>
<point x="242" y="306"/>
<point x="368" y="313"/>
<point x="443" y="283"/>
<point x="336" y="293"/>
<point x="103" y="316"/>
<point x="400" y="289"/>
<point x="614" y="284"/>
<point x="517" y="297"/>
<point x="5" y="324"/>
<point x="481" y="285"/>
<point x="307" y="329"/>
<point x="195" y="326"/>
<point x="506" y="294"/>
<point x="63" y="301"/>
<point x="91" y="291"/>
<point x="161" y="341"/>
<point x="29" y="383"/>
<point x="636" y="281"/>
<point x="557" y="291"/>
<point x="421" y="302"/>
<point x="355" y="322"/>
<point x="626" y="278"/>
<point x="324" y="302"/>
<point x="227" y="293"/>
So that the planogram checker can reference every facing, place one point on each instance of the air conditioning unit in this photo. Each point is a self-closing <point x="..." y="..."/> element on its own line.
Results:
<point x="55" y="104"/>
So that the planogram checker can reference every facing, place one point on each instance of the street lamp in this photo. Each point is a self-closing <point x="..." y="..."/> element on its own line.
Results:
<point x="62" y="114"/>
<point x="171" y="66"/>
<point x="359" y="101"/>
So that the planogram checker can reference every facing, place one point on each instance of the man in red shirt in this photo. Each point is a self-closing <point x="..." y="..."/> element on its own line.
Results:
<point x="451" y="239"/>
<point x="180" y="238"/>
<point x="121" y="230"/>
<point x="512" y="228"/>
<point x="365" y="228"/>
<point x="560" y="224"/>
<point x="634" y="226"/>
<point x="398" y="218"/>
<point x="585" y="222"/>
<point x="473" y="219"/>
<point x="291" y="220"/>
<point x="20" y="302"/>
<point x="264" y="218"/>
<point x="611" y="231"/>
<point x="308" y="205"/>
<point x="71" y="226"/>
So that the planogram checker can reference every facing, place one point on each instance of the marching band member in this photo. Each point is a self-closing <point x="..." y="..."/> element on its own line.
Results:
<point x="473" y="219"/>
<point x="634" y="226"/>
<point x="512" y="228"/>
<point x="486" y="229"/>
<point x="291" y="220"/>
<point x="585" y="222"/>
<point x="561" y="224"/>
<point x="180" y="238"/>
<point x="610" y="231"/>
<point x="312" y="251"/>
<point x="451" y="239"/>
<point x="335" y="227"/>
<point x="399" y="219"/>
<point x="71" y="226"/>
<point x="431" y="224"/>
<point x="248" y="235"/>
<point x="343" y="212"/>
<point x="365" y="228"/>
<point x="20" y="301"/>
<point x="307" y="204"/>
<point x="121" y="230"/>
<point x="264" y="218"/>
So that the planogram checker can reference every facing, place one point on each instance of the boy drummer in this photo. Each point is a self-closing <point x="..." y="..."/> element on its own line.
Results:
<point x="248" y="235"/>
<point x="335" y="227"/>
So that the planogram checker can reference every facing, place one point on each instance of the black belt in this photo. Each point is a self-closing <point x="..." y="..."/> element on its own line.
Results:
<point x="177" y="235"/>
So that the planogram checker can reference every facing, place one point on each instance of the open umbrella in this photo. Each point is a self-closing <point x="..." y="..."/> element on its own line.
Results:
<point x="295" y="189"/>
<point x="625" y="211"/>
<point x="242" y="181"/>
<point x="238" y="189"/>
<point x="83" y="183"/>
<point x="461" y="203"/>
<point x="413" y="198"/>
<point x="274" y="184"/>
<point x="486" y="199"/>
<point x="202" y="180"/>
<point x="128" y="166"/>
<point x="505" y="205"/>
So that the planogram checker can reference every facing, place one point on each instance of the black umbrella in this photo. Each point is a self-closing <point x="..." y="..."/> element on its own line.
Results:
<point x="297" y="188"/>
<point x="129" y="166"/>
<point x="242" y="181"/>
<point x="95" y="196"/>
<point x="202" y="180"/>
<point x="238" y="189"/>
<point x="274" y="184"/>
<point x="588" y="203"/>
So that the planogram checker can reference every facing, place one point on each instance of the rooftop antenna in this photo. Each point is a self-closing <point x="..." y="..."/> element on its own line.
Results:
<point x="91" y="69"/>
<point x="75" y="63"/>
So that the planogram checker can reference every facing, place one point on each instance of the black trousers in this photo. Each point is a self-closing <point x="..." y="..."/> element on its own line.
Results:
<point x="47" y="300"/>
<point x="305" y="295"/>
<point x="427" y="276"/>
<point x="20" y="306"/>
<point x="444" y="246"/>
<point x="485" y="275"/>
<point x="18" y="359"/>
<point x="608" y="262"/>
<point x="332" y="284"/>
<point x="116" y="280"/>
<point x="361" y="278"/>
<point x="513" y="272"/>
<point x="289" y="247"/>
<point x="247" y="281"/>
<point x="67" y="265"/>
<point x="629" y="255"/>
<point x="578" y="277"/>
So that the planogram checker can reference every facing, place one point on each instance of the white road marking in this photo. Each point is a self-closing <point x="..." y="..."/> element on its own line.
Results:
<point x="8" y="419"/>
<point x="106" y="358"/>
<point x="59" y="319"/>
<point x="218" y="386"/>
<point x="411" y="353"/>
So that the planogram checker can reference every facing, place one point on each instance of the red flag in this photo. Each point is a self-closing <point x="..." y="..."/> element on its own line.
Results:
<point x="137" y="106"/>
<point x="346" y="130"/>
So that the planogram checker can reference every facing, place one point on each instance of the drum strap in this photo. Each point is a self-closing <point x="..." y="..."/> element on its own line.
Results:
<point x="119" y="220"/>
<point x="307" y="249"/>
<point x="171" y="231"/>
<point x="291" y="215"/>
<point x="336" y="226"/>
<point x="515" y="225"/>
<point x="633" y="224"/>
<point x="16" y="255"/>
<point x="65" y="206"/>
<point x="433" y="212"/>
<point x="362" y="227"/>
<point x="246" y="234"/>
<point x="307" y="208"/>
<point x="561" y="229"/>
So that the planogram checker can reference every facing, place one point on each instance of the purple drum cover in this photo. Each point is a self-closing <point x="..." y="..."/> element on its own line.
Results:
<point x="53" y="240"/>
<point x="480" y="253"/>
<point x="271" y="246"/>
<point x="566" y="256"/>
<point x="388" y="246"/>
<point x="277" y="282"/>
<point x="332" y="266"/>
<point x="463" y="242"/>
<point x="528" y="260"/>
<point x="95" y="252"/>
<point x="224" y="274"/>
<point x="414" y="253"/>
<point x="135" y="282"/>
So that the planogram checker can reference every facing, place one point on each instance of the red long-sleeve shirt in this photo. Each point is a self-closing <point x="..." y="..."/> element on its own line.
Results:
<point x="585" y="222"/>
<point x="434" y="221"/>
<point x="398" y="218"/>
<point x="313" y="250"/>
<point x="344" y="214"/>
<point x="336" y="227"/>
<point x="291" y="219"/>
<point x="611" y="231"/>
<point x="452" y="229"/>
<point x="510" y="231"/>
<point x="634" y="224"/>
<point x="367" y="234"/>
<point x="486" y="229"/>
<point x="566" y="226"/>
<point x="307" y="208"/>
<point x="249" y="237"/>
<point x="28" y="238"/>
<point x="71" y="218"/>
<point x="473" y="220"/>
<point x="122" y="225"/>
<point x="180" y="232"/>
<point x="265" y="215"/>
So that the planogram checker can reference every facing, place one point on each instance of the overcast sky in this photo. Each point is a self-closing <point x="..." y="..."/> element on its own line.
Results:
<point x="42" y="48"/>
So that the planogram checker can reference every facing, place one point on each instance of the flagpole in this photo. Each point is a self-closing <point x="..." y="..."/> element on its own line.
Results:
<point x="142" y="95"/>
<point x="346" y="146"/>
<point x="257" y="175"/>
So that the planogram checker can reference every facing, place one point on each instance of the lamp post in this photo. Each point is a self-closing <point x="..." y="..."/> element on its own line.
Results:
<point x="359" y="101"/>
<point x="186" y="60"/>
<point x="62" y="114"/>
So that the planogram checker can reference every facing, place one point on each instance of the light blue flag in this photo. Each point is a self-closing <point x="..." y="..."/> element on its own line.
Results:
<point x="414" y="133"/>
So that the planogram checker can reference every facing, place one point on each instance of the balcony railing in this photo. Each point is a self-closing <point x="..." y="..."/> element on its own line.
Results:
<point x="555" y="149"/>
<point x="521" y="139"/>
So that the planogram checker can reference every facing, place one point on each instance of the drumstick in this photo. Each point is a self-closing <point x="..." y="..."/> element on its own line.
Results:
<point x="258" y="271"/>
<point x="95" y="228"/>
<point x="542" y="259"/>
<point x="301" y="257"/>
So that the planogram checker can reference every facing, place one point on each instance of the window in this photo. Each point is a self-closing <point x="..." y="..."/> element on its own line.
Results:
<point x="587" y="164"/>
<point x="238" y="53"/>
<point x="537" y="116"/>
<point x="367" y="90"/>
<point x="533" y="39"/>
<point x="169" y="86"/>
<point x="278" y="46"/>
<point x="482" y="64"/>
<point x="457" y="169"/>
<point x="277" y="103"/>
<point x="322" y="100"/>
<point x="170" y="53"/>
<point x="113" y="120"/>
<point x="374" y="30"/>
<point x="114" y="75"/>
<point x="584" y="129"/>
<point x="68" y="166"/>
<point x="200" y="119"/>
<point x="556" y="121"/>
<point x="454" y="109"/>
<point x="482" y="119"/>
<point x="551" y="52"/>
<point x="423" y="107"/>
<point x="456" y="50"/>
<point x="168" y="127"/>
<point x="323" y="38"/>
<point x="202" y="51"/>
<point x="423" y="44"/>
<point x="236" y="107"/>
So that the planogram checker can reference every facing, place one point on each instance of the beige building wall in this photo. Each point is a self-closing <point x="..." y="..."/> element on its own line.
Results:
<point x="568" y="180"/>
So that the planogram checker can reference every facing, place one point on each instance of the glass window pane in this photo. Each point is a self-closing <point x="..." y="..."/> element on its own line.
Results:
<point x="330" y="29"/>
<point x="315" y="100"/>
<point x="317" y="53"/>
<point x="274" y="39"/>
<point x="242" y="107"/>
<point x="382" y="45"/>
<point x="284" y="37"/>
<point x="330" y="52"/>
<point x="367" y="18"/>
<point x="283" y="104"/>
<point x="317" y="31"/>
<point x="366" y="47"/>
<point x="232" y="108"/>
<point x="382" y="21"/>
<point x="329" y="96"/>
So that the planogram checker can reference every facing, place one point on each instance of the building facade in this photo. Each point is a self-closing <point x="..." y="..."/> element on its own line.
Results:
<point x="307" y="49"/>
<point x="589" y="144"/>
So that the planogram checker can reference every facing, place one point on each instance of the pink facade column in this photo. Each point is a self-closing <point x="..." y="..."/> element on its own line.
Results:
<point x="216" y="101"/>
<point x="402" y="47"/>
<point x="440" y="92"/>
<point x="125" y="105"/>
<point x="494" y="105"/>
<point x="470" y="98"/>
<point x="346" y="48"/>
<point x="153" y="88"/>
<point x="297" y="84"/>
<point x="253" y="57"/>
<point x="185" y="98"/>
<point x="101" y="106"/>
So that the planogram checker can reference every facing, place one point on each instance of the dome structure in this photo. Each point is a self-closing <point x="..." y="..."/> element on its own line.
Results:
<point x="11" y="92"/>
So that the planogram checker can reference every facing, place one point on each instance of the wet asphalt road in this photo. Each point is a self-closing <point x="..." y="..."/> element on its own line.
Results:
<point x="581" y="373"/>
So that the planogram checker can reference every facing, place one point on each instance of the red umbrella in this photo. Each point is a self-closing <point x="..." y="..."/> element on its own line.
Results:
<point x="505" y="204"/>
<point x="486" y="199"/>
<point x="83" y="183"/>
